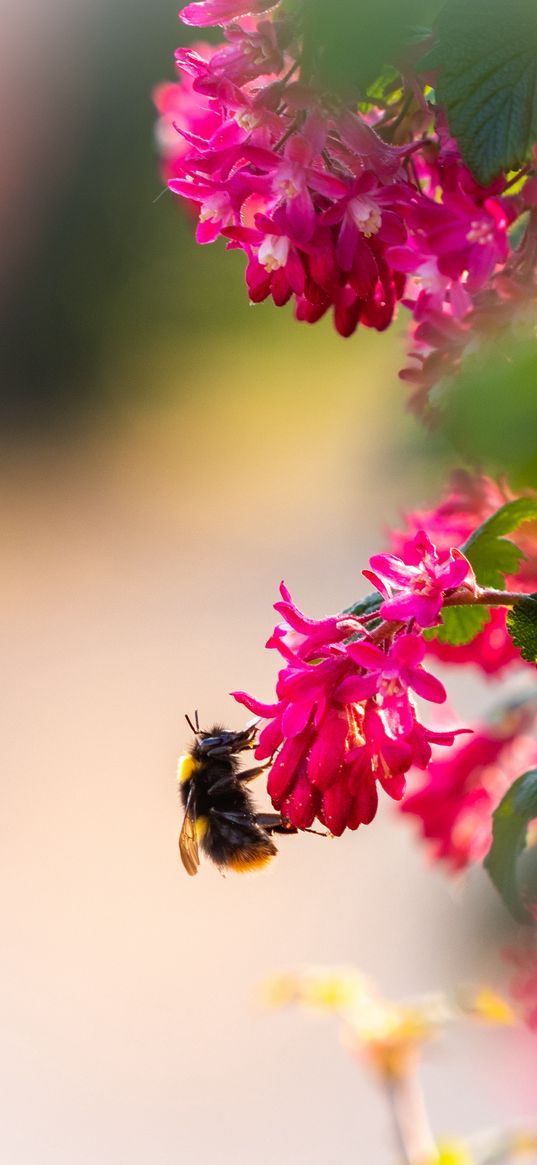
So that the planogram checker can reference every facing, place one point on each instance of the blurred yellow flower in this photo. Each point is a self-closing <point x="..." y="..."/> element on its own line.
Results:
<point x="454" y="1153"/>
<point x="389" y="1034"/>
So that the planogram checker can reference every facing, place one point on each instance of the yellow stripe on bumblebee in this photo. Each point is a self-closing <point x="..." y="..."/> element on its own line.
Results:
<point x="201" y="826"/>
<point x="186" y="767"/>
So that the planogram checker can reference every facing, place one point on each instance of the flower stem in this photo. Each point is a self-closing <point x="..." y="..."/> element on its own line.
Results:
<point x="462" y="597"/>
<point x="414" y="1138"/>
<point x="484" y="597"/>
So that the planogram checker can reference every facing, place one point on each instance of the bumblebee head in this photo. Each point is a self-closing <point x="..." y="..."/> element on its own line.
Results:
<point x="219" y="742"/>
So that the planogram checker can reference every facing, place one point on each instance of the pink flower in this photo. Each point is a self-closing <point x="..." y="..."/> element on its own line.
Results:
<point x="416" y="585"/>
<point x="463" y="236"/>
<point x="456" y="801"/>
<point x="389" y="675"/>
<point x="364" y="212"/>
<point x="207" y="12"/>
<point x="468" y="502"/>
<point x="362" y="222"/>
<point x="310" y="197"/>
<point x="178" y="104"/>
<point x="342" y="721"/>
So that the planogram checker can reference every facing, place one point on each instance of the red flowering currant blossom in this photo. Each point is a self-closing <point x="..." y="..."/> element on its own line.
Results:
<point x="389" y="675"/>
<point x="469" y="501"/>
<point x="179" y="105"/>
<point x="294" y="183"/>
<point x="414" y="587"/>
<point x="362" y="224"/>
<point x="343" y="720"/>
<point x="463" y="281"/>
<point x="207" y="12"/>
<point x="456" y="800"/>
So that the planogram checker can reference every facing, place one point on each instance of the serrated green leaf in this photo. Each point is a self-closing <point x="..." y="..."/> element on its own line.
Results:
<point x="522" y="627"/>
<point x="486" y="54"/>
<point x="509" y="837"/>
<point x="491" y="555"/>
<point x="494" y="559"/>
<point x="366" y="606"/>
<point x="461" y="624"/>
<point x="508" y="518"/>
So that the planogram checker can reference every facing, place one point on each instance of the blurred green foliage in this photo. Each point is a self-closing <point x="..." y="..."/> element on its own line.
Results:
<point x="352" y="41"/>
<point x="490" y="410"/>
<point x="110" y="278"/>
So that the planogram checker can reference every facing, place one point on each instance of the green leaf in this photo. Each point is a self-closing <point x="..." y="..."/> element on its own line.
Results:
<point x="386" y="89"/>
<point x="508" y="518"/>
<point x="461" y="624"/>
<point x="486" y="54"/>
<point x="366" y="606"/>
<point x="491" y="555"/>
<point x="509" y="838"/>
<point x="522" y="627"/>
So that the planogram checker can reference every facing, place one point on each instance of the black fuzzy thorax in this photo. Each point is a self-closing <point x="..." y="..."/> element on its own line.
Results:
<point x="216" y="793"/>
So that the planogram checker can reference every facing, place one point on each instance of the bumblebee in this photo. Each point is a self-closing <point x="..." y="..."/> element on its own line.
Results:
<point x="219" y="813"/>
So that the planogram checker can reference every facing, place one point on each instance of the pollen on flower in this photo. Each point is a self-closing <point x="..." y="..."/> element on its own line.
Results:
<point x="246" y="120"/>
<point x="214" y="208"/>
<point x="480" y="232"/>
<point x="273" y="252"/>
<point x="365" y="213"/>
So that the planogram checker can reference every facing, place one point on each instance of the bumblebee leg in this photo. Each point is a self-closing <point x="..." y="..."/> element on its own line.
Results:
<point x="275" y="823"/>
<point x="251" y="774"/>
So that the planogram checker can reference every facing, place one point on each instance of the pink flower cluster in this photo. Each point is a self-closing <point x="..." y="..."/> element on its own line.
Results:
<point x="344" y="719"/>
<point x="309" y="191"/>
<point x="469" y="501"/>
<point x="455" y="800"/>
<point x="329" y="212"/>
<point x="465" y="281"/>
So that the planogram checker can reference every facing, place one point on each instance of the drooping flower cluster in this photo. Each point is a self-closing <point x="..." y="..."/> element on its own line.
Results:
<point x="328" y="210"/>
<point x="345" y="719"/>
<point x="466" y="279"/>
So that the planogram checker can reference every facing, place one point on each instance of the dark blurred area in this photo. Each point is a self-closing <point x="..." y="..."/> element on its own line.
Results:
<point x="94" y="264"/>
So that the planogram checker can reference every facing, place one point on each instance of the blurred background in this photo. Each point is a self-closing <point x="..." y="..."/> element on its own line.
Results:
<point x="168" y="454"/>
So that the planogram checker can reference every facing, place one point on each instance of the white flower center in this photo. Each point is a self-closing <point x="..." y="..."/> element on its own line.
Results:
<point x="480" y="232"/>
<point x="246" y="119"/>
<point x="216" y="207"/>
<point x="366" y="214"/>
<point x="273" y="252"/>
<point x="289" y="180"/>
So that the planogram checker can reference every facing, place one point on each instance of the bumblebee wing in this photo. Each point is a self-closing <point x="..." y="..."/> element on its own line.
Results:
<point x="188" y="842"/>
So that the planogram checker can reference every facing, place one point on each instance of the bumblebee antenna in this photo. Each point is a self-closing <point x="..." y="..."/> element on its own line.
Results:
<point x="190" y="724"/>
